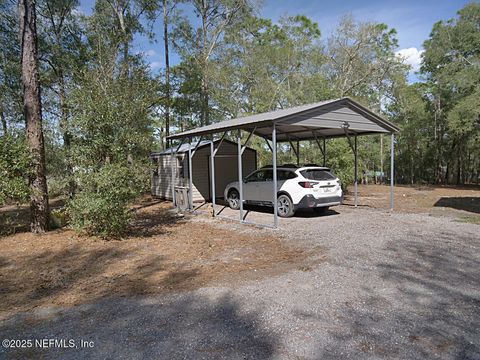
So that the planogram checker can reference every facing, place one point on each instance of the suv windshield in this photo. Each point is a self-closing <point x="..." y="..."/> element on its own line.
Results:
<point x="317" y="174"/>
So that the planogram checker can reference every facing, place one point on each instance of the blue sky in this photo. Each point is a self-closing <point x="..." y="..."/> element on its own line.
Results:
<point x="413" y="20"/>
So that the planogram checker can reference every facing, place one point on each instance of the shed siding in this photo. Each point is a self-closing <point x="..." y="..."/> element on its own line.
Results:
<point x="226" y="171"/>
<point x="162" y="184"/>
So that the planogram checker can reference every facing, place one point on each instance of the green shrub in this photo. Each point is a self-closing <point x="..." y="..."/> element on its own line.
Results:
<point x="100" y="207"/>
<point x="57" y="186"/>
<point x="14" y="169"/>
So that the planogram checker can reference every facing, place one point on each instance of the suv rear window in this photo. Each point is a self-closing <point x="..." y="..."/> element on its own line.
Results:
<point x="314" y="174"/>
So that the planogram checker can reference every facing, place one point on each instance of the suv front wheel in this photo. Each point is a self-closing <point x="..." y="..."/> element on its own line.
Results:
<point x="284" y="206"/>
<point x="233" y="199"/>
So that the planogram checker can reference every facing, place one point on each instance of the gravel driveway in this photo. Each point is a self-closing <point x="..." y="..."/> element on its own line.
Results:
<point x="387" y="286"/>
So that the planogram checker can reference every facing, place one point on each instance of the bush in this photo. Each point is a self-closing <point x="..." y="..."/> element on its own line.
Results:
<point x="101" y="205"/>
<point x="14" y="169"/>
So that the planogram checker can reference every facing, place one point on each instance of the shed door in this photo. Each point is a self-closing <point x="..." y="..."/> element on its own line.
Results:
<point x="226" y="171"/>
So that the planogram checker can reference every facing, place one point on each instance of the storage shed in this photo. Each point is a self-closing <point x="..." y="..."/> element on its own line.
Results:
<point x="226" y="169"/>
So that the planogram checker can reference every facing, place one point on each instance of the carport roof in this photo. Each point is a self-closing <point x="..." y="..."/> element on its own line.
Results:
<point x="331" y="118"/>
<point x="187" y="146"/>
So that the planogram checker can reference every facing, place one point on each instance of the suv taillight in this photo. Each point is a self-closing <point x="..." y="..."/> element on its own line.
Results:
<point x="307" y="184"/>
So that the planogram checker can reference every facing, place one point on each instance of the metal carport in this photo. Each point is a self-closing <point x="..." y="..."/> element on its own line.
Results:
<point x="319" y="121"/>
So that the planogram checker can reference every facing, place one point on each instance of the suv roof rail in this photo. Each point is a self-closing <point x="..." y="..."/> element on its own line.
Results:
<point x="280" y="166"/>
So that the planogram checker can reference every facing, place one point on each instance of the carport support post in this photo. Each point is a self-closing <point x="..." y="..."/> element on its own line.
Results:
<point x="190" y="176"/>
<point x="274" y="161"/>
<point x="392" y="167"/>
<point x="212" y="175"/>
<point x="240" y="175"/>
<point x="324" y="152"/>
<point x="356" y="172"/>
<point x="298" y="153"/>
<point x="172" y="167"/>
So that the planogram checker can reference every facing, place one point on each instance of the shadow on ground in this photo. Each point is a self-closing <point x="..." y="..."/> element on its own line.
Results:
<point x="189" y="327"/>
<point x="301" y="213"/>
<point x="147" y="223"/>
<point x="16" y="218"/>
<point x="471" y="204"/>
<point x="439" y="314"/>
<point x="69" y="276"/>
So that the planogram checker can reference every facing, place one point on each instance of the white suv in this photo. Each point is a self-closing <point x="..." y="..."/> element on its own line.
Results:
<point x="297" y="188"/>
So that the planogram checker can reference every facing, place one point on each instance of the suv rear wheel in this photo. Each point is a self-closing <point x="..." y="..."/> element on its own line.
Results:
<point x="233" y="199"/>
<point x="284" y="206"/>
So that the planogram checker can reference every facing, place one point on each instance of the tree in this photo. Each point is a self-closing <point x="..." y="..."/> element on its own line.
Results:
<point x="11" y="101"/>
<point x="451" y="67"/>
<point x="62" y="53"/>
<point x="266" y="66"/>
<point x="112" y="129"/>
<point x="362" y="60"/>
<point x="201" y="44"/>
<point x="362" y="64"/>
<point x="33" y="116"/>
<point x="168" y="97"/>
<point x="128" y="15"/>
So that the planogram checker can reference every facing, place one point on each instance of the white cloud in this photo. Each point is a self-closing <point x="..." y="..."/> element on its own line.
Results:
<point x="150" y="53"/>
<point x="155" y="65"/>
<point x="411" y="56"/>
<point x="78" y="11"/>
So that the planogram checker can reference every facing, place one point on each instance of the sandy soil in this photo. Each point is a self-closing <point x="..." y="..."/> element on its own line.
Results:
<point x="416" y="199"/>
<point x="163" y="253"/>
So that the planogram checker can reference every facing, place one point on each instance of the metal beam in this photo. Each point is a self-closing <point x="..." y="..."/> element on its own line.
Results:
<point x="274" y="160"/>
<point x="212" y="175"/>
<point x="353" y="146"/>
<point x="173" y="159"/>
<point x="240" y="175"/>
<point x="220" y="143"/>
<point x="392" y="170"/>
<point x="196" y="146"/>
<point x="268" y="143"/>
<point x="298" y="152"/>
<point x="318" y="143"/>
<point x="292" y="147"/>
<point x="324" y="152"/>
<point x="173" y="166"/>
<point x="190" y="177"/>
<point x="180" y="145"/>
<point x="248" y="139"/>
<point x="347" y="135"/>
<point x="356" y="173"/>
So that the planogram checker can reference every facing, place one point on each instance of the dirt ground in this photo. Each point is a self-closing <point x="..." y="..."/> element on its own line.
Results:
<point x="164" y="252"/>
<point x="417" y="199"/>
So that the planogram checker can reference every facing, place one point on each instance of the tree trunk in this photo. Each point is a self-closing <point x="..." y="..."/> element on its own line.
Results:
<point x="167" y="72"/>
<point x="67" y="136"/>
<point x="204" y="90"/>
<point x="4" y="122"/>
<point x="33" y="116"/>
